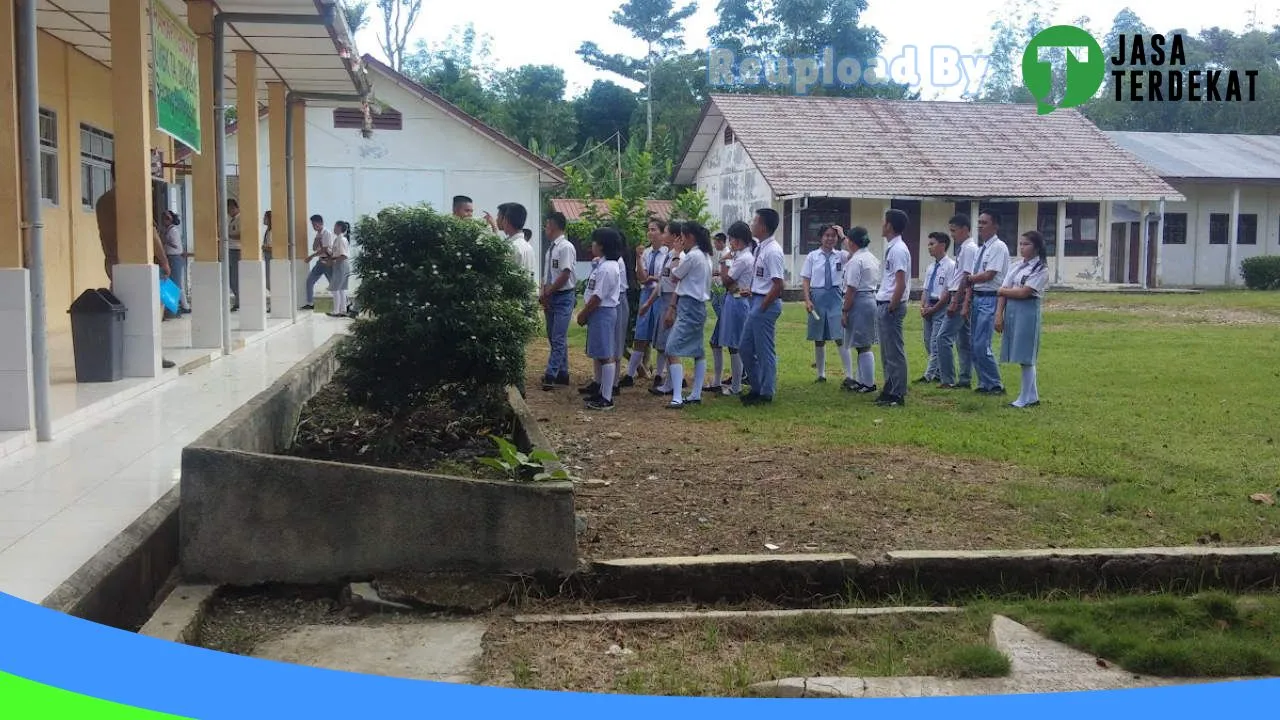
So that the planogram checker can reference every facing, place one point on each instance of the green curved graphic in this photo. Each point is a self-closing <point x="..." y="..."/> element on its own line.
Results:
<point x="1084" y="77"/>
<point x="22" y="699"/>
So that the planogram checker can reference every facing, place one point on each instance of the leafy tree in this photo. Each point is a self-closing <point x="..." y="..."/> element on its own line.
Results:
<point x="691" y="205"/>
<point x="604" y="110"/>
<point x="660" y="26"/>
<point x="1016" y="24"/>
<point x="398" y="19"/>
<point x="460" y="70"/>
<point x="356" y="13"/>
<point x="534" y="107"/>
<point x="450" y="311"/>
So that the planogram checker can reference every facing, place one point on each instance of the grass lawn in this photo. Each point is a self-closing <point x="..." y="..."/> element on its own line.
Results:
<point x="1157" y="423"/>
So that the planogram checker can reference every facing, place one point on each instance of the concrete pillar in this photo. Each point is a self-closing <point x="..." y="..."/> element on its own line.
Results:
<point x="1144" y="232"/>
<point x="1060" y="247"/>
<point x="1160" y="246"/>
<point x="796" y="235"/>
<point x="253" y="274"/>
<point x="206" y="270"/>
<point x="283" y="305"/>
<point x="16" y="411"/>
<point x="1233" y="236"/>
<point x="302" y="211"/>
<point x="1104" y="239"/>
<point x="136" y="280"/>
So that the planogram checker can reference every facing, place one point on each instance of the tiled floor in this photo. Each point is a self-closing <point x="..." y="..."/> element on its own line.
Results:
<point x="63" y="501"/>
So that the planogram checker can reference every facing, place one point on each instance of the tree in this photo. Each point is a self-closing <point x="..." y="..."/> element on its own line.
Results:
<point x="660" y="26"/>
<point x="459" y="69"/>
<point x="398" y="19"/>
<point x="1016" y="24"/>
<point x="604" y="110"/>
<point x="356" y="13"/>
<point x="534" y="109"/>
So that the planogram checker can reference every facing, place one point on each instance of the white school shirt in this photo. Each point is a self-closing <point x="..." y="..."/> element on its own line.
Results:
<point x="862" y="273"/>
<point x="896" y="257"/>
<point x="717" y="256"/>
<point x="323" y="242"/>
<point x="815" y="268"/>
<point x="965" y="259"/>
<point x="994" y="255"/>
<point x="340" y="247"/>
<point x="560" y="257"/>
<point x="946" y="267"/>
<point x="523" y="253"/>
<point x="1029" y="273"/>
<point x="694" y="274"/>
<point x="653" y="259"/>
<point x="622" y="284"/>
<point x="740" y="270"/>
<point x="672" y="260"/>
<point x="603" y="283"/>
<point x="769" y="265"/>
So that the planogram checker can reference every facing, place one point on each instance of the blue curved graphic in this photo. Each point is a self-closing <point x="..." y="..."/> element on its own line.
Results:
<point x="53" y="649"/>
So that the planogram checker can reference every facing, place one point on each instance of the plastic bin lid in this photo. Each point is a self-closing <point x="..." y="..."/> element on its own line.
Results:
<point x="96" y="301"/>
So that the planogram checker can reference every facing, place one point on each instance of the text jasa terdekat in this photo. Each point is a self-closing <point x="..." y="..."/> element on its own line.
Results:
<point x="1137" y="54"/>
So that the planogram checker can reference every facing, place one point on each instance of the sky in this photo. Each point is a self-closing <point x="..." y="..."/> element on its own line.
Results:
<point x="549" y="32"/>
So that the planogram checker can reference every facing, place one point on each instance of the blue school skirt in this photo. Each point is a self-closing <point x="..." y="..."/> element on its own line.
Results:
<point x="662" y="331"/>
<point x="1021" y="341"/>
<point x="828" y="303"/>
<point x="732" y="319"/>
<point x="602" y="336"/>
<point x="717" y="305"/>
<point x="647" y="324"/>
<point x="688" y="335"/>
<point x="620" y="329"/>
<point x="861" y="328"/>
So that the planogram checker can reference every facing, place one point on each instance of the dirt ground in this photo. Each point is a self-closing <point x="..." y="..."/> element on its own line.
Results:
<point x="667" y="498"/>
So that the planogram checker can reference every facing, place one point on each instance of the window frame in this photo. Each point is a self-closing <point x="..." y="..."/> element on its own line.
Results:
<point x="50" y="180"/>
<point x="1170" y="238"/>
<point x="97" y="155"/>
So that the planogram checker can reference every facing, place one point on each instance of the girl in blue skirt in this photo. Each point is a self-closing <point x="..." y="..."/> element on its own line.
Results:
<point x="664" y="301"/>
<point x="736" y="273"/>
<point x="648" y="272"/>
<point x="720" y="242"/>
<point x="1018" y="314"/>
<point x="600" y="315"/>
<point x="823" y="298"/>
<point x="688" y="317"/>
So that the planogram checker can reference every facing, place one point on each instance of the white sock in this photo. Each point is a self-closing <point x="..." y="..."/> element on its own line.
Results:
<point x="662" y="365"/>
<point x="867" y="368"/>
<point x="820" y="358"/>
<point x="846" y="359"/>
<point x="699" y="377"/>
<point x="1030" y="393"/>
<point x="608" y="373"/>
<point x="735" y="362"/>
<point x="718" y="354"/>
<point x="634" y="364"/>
<point x="338" y="307"/>
<point x="677" y="381"/>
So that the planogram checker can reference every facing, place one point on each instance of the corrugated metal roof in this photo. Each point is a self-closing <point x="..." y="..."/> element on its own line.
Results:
<point x="850" y="147"/>
<point x="573" y="209"/>
<point x="1205" y="155"/>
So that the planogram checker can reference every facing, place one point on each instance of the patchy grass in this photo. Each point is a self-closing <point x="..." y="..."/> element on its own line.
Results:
<point x="1209" y="635"/>
<point x="1157" y="425"/>
<point x="724" y="657"/>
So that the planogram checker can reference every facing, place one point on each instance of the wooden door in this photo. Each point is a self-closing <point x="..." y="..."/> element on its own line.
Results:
<point x="1119" y="251"/>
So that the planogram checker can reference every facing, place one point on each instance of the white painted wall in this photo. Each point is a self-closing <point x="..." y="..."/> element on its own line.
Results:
<point x="735" y="188"/>
<point x="1200" y="264"/>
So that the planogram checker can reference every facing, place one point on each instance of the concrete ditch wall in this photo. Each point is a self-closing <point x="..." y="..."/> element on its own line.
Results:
<point x="250" y="516"/>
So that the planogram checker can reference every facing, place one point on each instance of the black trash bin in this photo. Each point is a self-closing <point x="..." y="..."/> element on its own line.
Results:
<point x="97" y="336"/>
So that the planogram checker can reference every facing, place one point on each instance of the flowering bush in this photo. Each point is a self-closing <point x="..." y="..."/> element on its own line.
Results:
<point x="447" y="308"/>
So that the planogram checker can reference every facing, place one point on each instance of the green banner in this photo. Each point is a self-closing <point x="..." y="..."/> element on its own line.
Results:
<point x="175" y="77"/>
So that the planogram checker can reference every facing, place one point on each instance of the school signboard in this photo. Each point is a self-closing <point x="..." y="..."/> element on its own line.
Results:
<point x="175" y="77"/>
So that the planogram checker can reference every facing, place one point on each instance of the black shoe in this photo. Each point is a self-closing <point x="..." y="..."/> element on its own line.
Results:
<point x="850" y="385"/>
<point x="590" y="390"/>
<point x="998" y="390"/>
<point x="548" y="382"/>
<point x="656" y="391"/>
<point x="563" y="380"/>
<point x="866" y="389"/>
<point x="923" y="380"/>
<point x="820" y="380"/>
<point x="675" y="405"/>
<point x="617" y="390"/>
<point x="600" y="404"/>
<point x="307" y="307"/>
<point x="693" y="401"/>
<point x="627" y="381"/>
<point x="166" y="364"/>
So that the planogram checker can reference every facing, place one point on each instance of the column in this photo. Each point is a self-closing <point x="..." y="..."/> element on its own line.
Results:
<point x="1144" y="233"/>
<point x="136" y="280"/>
<point x="1233" y="235"/>
<point x="15" y="290"/>
<point x="302" y="226"/>
<point x="1105" y="248"/>
<point x="206" y="270"/>
<point x="1159" y="241"/>
<point x="253" y="274"/>
<point x="281" y="264"/>
<point x="796" y="234"/>
<point x="1060" y="247"/>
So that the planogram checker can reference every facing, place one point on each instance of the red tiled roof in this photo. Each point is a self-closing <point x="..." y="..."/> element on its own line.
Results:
<point x="573" y="208"/>
<point x="852" y="147"/>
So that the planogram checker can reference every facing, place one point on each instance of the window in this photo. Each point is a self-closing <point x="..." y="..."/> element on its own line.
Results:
<point x="1220" y="229"/>
<point x="729" y="137"/>
<point x="1010" y="228"/>
<point x="48" y="156"/>
<point x="353" y="119"/>
<point x="1082" y="230"/>
<point x="1047" y="224"/>
<point x="97" y="153"/>
<point x="1175" y="229"/>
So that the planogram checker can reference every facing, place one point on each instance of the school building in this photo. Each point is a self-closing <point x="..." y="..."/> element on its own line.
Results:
<point x="121" y="86"/>
<point x="1232" y="209"/>
<point x="847" y="161"/>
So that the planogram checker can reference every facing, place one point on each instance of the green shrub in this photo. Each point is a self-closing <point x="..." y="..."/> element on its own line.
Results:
<point x="1261" y="273"/>
<point x="448" y="311"/>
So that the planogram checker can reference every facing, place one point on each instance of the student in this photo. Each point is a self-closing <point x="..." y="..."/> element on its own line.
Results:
<point x="665" y="300"/>
<point x="320" y="247"/>
<point x="340" y="267"/>
<point x="986" y="278"/>
<point x="600" y="316"/>
<point x="688" y="317"/>
<point x="511" y="219"/>
<point x="234" y="250"/>
<point x="823" y="299"/>
<point x="736" y="271"/>
<point x="720" y="243"/>
<point x="176" y="254"/>
<point x="463" y="207"/>
<point x="558" y="296"/>
<point x="266" y="249"/>
<point x="861" y="278"/>
<point x="934" y="301"/>
<point x="891" y="302"/>
<point x="759" y="352"/>
<point x="648" y="273"/>
<point x="1018" y="314"/>
<point x="623" y="309"/>
<point x="956" y="332"/>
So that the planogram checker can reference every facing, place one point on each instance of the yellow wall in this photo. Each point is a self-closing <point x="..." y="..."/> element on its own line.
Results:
<point x="78" y="89"/>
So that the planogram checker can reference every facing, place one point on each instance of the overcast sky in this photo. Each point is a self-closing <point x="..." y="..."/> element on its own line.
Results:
<point x="550" y="32"/>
